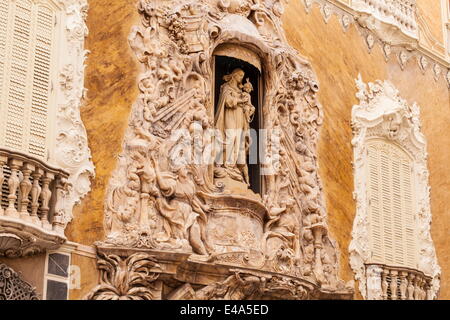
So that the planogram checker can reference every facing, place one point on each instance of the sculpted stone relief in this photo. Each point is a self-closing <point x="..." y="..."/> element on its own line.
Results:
<point x="72" y="152"/>
<point x="170" y="191"/>
<point x="232" y="120"/>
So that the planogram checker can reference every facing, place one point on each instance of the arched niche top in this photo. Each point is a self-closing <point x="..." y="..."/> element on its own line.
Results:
<point x="239" y="52"/>
<point x="240" y="24"/>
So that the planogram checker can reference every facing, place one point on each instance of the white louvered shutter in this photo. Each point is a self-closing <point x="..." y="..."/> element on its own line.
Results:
<point x="4" y="17"/>
<point x="45" y="22"/>
<point x="27" y="39"/>
<point x="391" y="207"/>
<point x="19" y="55"/>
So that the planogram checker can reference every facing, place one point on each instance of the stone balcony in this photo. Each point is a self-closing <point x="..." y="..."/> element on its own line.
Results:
<point x="397" y="283"/>
<point x="31" y="197"/>
<point x="394" y="21"/>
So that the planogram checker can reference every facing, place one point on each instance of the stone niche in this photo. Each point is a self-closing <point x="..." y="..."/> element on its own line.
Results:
<point x="216" y="193"/>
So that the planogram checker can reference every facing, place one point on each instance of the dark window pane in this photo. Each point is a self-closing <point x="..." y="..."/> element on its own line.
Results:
<point x="58" y="264"/>
<point x="56" y="290"/>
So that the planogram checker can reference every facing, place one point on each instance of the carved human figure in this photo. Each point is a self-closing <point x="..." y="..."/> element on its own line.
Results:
<point x="183" y="212"/>
<point x="232" y="123"/>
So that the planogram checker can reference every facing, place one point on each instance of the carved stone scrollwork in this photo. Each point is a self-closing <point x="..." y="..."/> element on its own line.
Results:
<point x="131" y="278"/>
<point x="72" y="150"/>
<point x="249" y="285"/>
<point x="12" y="287"/>
<point x="161" y="197"/>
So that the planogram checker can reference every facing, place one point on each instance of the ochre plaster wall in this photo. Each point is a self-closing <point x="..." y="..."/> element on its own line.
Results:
<point x="336" y="57"/>
<point x="89" y="277"/>
<point x="111" y="75"/>
<point x="431" y="13"/>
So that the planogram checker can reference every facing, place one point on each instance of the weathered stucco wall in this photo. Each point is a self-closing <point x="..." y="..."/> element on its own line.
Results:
<point x="337" y="58"/>
<point x="111" y="75"/>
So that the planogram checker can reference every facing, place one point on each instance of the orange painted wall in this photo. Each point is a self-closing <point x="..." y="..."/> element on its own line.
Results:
<point x="111" y="75"/>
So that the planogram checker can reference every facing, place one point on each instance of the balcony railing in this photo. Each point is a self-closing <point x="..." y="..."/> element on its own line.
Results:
<point x="397" y="283"/>
<point x="31" y="196"/>
<point x="398" y="13"/>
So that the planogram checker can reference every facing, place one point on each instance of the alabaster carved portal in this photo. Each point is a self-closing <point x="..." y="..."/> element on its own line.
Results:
<point x="195" y="216"/>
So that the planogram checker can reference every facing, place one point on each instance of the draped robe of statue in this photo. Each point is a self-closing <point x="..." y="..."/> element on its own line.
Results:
<point x="232" y="124"/>
<point x="184" y="213"/>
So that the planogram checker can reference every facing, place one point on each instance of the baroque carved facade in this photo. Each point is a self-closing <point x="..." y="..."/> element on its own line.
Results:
<point x="189" y="219"/>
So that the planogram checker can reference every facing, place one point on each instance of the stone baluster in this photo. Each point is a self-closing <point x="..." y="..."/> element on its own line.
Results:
<point x="46" y="195"/>
<point x="13" y="184"/>
<point x="58" y="219"/>
<point x="411" y="277"/>
<point x="3" y="161"/>
<point x="417" y="288"/>
<point x="384" y="283"/>
<point x="35" y="193"/>
<point x="25" y="188"/>
<point x="428" y="290"/>
<point x="423" y="292"/>
<point x="403" y="284"/>
<point x="394" y="284"/>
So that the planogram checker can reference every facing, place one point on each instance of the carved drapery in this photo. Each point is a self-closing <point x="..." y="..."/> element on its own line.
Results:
<point x="382" y="114"/>
<point x="158" y="200"/>
<point x="12" y="287"/>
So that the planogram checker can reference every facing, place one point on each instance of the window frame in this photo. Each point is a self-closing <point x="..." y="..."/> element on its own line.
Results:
<point x="383" y="114"/>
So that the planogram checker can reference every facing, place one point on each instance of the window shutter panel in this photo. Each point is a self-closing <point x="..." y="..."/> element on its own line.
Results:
<point x="397" y="209"/>
<point x="18" y="73"/>
<point x="4" y="17"/>
<point x="410" y="222"/>
<point x="376" y="221"/>
<point x="391" y="209"/>
<point x="45" y="22"/>
<point x="386" y="199"/>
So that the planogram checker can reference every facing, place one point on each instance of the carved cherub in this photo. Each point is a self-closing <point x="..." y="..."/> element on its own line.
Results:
<point x="249" y="109"/>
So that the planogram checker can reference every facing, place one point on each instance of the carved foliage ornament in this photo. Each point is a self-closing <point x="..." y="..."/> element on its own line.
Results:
<point x="381" y="113"/>
<point x="12" y="287"/>
<point x="159" y="198"/>
<point x="248" y="285"/>
<point x="131" y="278"/>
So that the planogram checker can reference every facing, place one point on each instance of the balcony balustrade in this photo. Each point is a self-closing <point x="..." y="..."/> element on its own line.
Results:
<point x="31" y="205"/>
<point x="386" y="16"/>
<point x="397" y="283"/>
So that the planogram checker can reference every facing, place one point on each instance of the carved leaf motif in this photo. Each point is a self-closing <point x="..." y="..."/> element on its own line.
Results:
<point x="126" y="279"/>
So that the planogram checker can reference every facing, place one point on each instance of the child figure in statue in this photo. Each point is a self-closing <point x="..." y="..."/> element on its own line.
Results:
<point x="249" y="109"/>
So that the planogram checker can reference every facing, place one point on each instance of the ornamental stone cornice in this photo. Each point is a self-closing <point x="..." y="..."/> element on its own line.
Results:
<point x="394" y="43"/>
